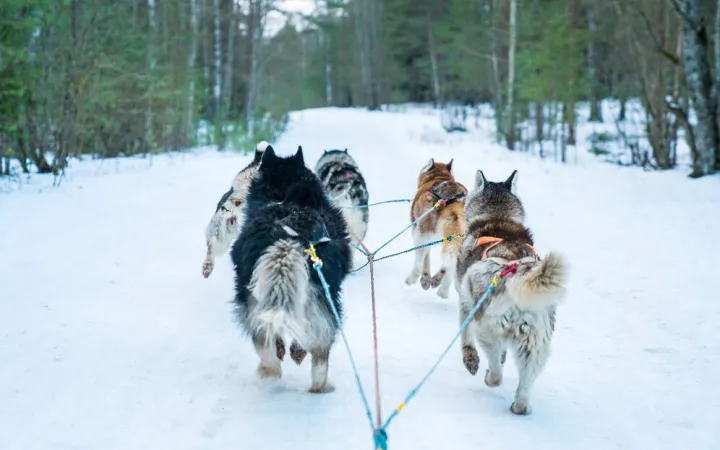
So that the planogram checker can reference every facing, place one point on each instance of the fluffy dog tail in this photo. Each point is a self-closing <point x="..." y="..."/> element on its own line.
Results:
<point x="543" y="286"/>
<point x="280" y="283"/>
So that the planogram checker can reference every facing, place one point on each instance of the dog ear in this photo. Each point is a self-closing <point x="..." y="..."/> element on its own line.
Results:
<point x="429" y="165"/>
<point x="511" y="183"/>
<point x="325" y="151"/>
<point x="259" y="151"/>
<point x="267" y="156"/>
<point x="480" y="180"/>
<point x="299" y="156"/>
<point x="449" y="165"/>
<point x="345" y="151"/>
<point x="261" y="146"/>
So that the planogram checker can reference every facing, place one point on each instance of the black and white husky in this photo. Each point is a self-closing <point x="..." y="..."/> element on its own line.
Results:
<point x="521" y="311"/>
<point x="225" y="224"/>
<point x="278" y="293"/>
<point x="343" y="182"/>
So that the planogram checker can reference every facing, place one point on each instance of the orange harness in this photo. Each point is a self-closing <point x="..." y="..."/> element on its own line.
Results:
<point x="493" y="241"/>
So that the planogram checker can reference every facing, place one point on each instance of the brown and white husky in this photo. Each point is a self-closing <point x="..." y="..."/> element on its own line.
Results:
<point x="437" y="183"/>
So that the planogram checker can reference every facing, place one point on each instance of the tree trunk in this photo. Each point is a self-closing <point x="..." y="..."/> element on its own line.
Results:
<point x="367" y="29"/>
<point x="570" y="105"/>
<point x="68" y="130"/>
<point x="229" y="63"/>
<point x="510" y="127"/>
<point x="206" y="44"/>
<point x="539" y="124"/>
<point x="375" y="52"/>
<point x="151" y="71"/>
<point x="360" y="27"/>
<point x="700" y="85"/>
<point x="717" y="82"/>
<point x="327" y="47"/>
<point x="595" y="111"/>
<point x="151" y="62"/>
<point x="217" y="60"/>
<point x="192" y="55"/>
<point x="433" y="61"/>
<point x="497" y="84"/>
<point x="252" y="68"/>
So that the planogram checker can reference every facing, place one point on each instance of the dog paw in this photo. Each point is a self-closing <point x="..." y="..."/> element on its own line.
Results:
<point x="471" y="360"/>
<point x="265" y="372"/>
<point x="493" y="379"/>
<point x="426" y="281"/>
<point x="326" y="388"/>
<point x="444" y="292"/>
<point x="280" y="348"/>
<point x="520" y="409"/>
<point x="297" y="353"/>
<point x="503" y="357"/>
<point x="411" y="279"/>
<point x="207" y="268"/>
<point x="437" y="279"/>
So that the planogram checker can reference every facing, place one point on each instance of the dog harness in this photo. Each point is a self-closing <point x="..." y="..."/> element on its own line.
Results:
<point x="493" y="241"/>
<point x="443" y="199"/>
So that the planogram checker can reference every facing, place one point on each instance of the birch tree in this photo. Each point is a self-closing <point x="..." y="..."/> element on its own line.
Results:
<point x="510" y="118"/>
<point x="151" y="69"/>
<point x="700" y="83"/>
<point x="192" y="56"/>
<point x="217" y="87"/>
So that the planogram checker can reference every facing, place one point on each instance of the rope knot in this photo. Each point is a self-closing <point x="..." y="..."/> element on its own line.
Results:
<point x="442" y="202"/>
<point x="381" y="439"/>
<point x="317" y="262"/>
<point x="512" y="268"/>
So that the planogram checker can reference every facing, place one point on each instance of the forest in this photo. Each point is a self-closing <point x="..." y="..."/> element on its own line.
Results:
<point x="109" y="78"/>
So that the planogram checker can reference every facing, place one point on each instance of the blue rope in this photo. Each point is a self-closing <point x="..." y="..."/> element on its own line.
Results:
<point x="464" y="325"/>
<point x="359" y="249"/>
<point x="380" y="437"/>
<point x="317" y="265"/>
<point x="407" y="228"/>
<point x="449" y="238"/>
<point x="402" y="200"/>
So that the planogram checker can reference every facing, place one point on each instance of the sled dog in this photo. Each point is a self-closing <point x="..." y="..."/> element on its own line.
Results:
<point x="225" y="224"/>
<point x="343" y="182"/>
<point x="278" y="293"/>
<point x="520" y="313"/>
<point x="437" y="183"/>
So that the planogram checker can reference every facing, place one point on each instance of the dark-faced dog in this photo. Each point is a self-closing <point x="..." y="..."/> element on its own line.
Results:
<point x="278" y="293"/>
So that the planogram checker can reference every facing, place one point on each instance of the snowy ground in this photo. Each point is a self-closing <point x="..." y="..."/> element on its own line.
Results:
<point x="111" y="339"/>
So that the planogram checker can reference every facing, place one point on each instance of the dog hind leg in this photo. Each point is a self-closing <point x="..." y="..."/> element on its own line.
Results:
<point x="297" y="353"/>
<point x="493" y="351"/>
<point x="443" y="279"/>
<point x="320" y="360"/>
<point x="269" y="366"/>
<point x="470" y="357"/>
<point x="531" y="355"/>
<point x="421" y="264"/>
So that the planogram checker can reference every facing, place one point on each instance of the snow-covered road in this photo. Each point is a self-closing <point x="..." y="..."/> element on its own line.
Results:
<point x="110" y="338"/>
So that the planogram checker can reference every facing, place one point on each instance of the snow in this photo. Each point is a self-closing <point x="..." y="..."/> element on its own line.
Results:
<point x="110" y="337"/>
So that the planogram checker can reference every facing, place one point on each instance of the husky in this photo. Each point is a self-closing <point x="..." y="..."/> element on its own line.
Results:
<point x="521" y="310"/>
<point x="225" y="224"/>
<point x="436" y="182"/>
<point x="343" y="182"/>
<point x="278" y="292"/>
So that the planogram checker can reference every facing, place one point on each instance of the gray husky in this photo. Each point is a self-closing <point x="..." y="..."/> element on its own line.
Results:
<point x="226" y="223"/>
<point x="521" y="311"/>
<point x="343" y="182"/>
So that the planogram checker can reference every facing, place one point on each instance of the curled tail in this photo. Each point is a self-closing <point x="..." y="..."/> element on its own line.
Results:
<point x="279" y="284"/>
<point x="541" y="287"/>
